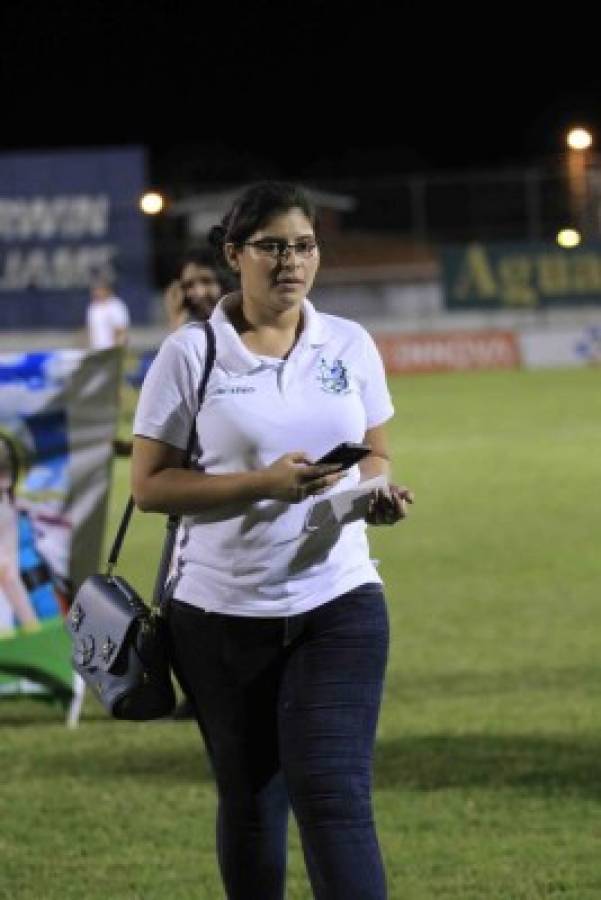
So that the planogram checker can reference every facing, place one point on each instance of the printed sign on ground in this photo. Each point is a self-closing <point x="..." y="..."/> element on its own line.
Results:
<point x="58" y="415"/>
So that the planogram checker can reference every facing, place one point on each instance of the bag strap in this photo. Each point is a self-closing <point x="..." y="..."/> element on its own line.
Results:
<point x="173" y="520"/>
<point x="116" y="548"/>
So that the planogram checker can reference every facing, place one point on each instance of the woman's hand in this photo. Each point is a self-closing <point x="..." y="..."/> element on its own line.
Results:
<point x="387" y="507"/>
<point x="293" y="478"/>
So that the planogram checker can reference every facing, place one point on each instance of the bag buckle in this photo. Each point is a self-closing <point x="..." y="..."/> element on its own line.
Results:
<point x="108" y="648"/>
<point x="84" y="650"/>
<point x="77" y="615"/>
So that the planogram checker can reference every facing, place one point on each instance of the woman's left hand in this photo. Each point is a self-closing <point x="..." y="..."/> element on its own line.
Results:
<point x="387" y="507"/>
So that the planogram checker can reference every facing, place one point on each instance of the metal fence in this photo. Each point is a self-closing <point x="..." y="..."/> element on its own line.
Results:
<point x="510" y="205"/>
<point x="528" y="204"/>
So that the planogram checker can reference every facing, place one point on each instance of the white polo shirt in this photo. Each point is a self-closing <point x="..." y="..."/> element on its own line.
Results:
<point x="261" y="559"/>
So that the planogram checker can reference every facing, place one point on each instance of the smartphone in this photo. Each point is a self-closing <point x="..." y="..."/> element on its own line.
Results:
<point x="345" y="455"/>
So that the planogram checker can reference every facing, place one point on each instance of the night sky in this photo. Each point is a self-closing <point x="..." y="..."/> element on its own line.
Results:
<point x="304" y="89"/>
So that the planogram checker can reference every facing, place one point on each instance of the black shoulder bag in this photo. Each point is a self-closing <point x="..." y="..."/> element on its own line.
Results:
<point x="120" y="645"/>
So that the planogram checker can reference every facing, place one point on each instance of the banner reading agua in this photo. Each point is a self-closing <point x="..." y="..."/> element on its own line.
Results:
<point x="58" y="418"/>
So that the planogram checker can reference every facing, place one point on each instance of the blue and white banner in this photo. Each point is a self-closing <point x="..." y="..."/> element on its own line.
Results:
<point x="58" y="418"/>
<point x="65" y="217"/>
<point x="567" y="348"/>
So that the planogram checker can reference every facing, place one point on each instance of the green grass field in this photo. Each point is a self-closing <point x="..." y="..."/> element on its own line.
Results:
<point x="488" y="767"/>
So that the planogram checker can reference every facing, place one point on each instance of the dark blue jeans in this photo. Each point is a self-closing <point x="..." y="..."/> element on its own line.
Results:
<point x="288" y="709"/>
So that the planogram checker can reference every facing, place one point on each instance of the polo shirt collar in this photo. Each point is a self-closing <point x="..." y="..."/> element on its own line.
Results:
<point x="237" y="359"/>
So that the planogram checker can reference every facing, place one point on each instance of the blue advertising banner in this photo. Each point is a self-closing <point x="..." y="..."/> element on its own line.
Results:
<point x="65" y="217"/>
<point x="489" y="276"/>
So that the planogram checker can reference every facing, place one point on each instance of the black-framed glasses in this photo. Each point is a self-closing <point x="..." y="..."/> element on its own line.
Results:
<point x="278" y="248"/>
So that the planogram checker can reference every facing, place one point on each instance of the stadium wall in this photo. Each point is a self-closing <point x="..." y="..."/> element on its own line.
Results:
<point x="413" y="329"/>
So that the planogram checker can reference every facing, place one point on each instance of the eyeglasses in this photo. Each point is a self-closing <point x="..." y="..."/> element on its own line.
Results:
<point x="278" y="248"/>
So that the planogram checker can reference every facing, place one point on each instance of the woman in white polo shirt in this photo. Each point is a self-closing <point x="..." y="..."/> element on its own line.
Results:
<point x="277" y="618"/>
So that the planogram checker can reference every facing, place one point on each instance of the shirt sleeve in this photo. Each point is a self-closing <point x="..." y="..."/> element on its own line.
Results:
<point x="374" y="389"/>
<point x="168" y="402"/>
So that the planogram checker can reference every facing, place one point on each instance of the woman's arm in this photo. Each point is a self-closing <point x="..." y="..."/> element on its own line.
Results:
<point x="378" y="462"/>
<point x="160" y="484"/>
<point x="386" y="508"/>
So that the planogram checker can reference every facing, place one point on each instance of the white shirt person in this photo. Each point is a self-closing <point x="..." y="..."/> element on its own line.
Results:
<point x="278" y="629"/>
<point x="107" y="317"/>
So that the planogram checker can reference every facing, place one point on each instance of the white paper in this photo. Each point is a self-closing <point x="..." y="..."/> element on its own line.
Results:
<point x="345" y="506"/>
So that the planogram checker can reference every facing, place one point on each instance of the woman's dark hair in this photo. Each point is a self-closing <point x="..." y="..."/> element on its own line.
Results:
<point x="202" y="254"/>
<point x="257" y="205"/>
<point x="207" y="255"/>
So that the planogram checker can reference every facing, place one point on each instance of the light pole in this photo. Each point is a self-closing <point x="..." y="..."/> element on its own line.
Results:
<point x="579" y="141"/>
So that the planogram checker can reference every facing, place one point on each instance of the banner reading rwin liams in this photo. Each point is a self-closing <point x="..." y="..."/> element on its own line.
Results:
<point x="66" y="217"/>
<point x="58" y="418"/>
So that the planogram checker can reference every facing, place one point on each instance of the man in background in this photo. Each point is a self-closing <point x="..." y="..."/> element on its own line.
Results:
<point x="107" y="320"/>
<point x="201" y="282"/>
<point x="107" y="316"/>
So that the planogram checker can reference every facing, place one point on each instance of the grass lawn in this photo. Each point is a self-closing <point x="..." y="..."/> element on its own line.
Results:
<point x="488" y="766"/>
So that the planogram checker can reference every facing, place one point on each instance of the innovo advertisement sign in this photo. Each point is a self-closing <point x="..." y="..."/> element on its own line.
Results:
<point x="455" y="351"/>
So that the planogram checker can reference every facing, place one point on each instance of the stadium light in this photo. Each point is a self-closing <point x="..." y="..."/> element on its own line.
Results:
<point x="579" y="138"/>
<point x="151" y="203"/>
<point x="568" y="238"/>
<point x="579" y="141"/>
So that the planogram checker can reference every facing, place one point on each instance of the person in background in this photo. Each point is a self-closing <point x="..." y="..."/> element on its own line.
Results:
<point x="278" y="628"/>
<point x="107" y="320"/>
<point x="194" y="293"/>
<point x="107" y="316"/>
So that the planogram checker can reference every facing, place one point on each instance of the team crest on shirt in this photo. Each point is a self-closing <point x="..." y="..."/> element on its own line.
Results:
<point x="333" y="377"/>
